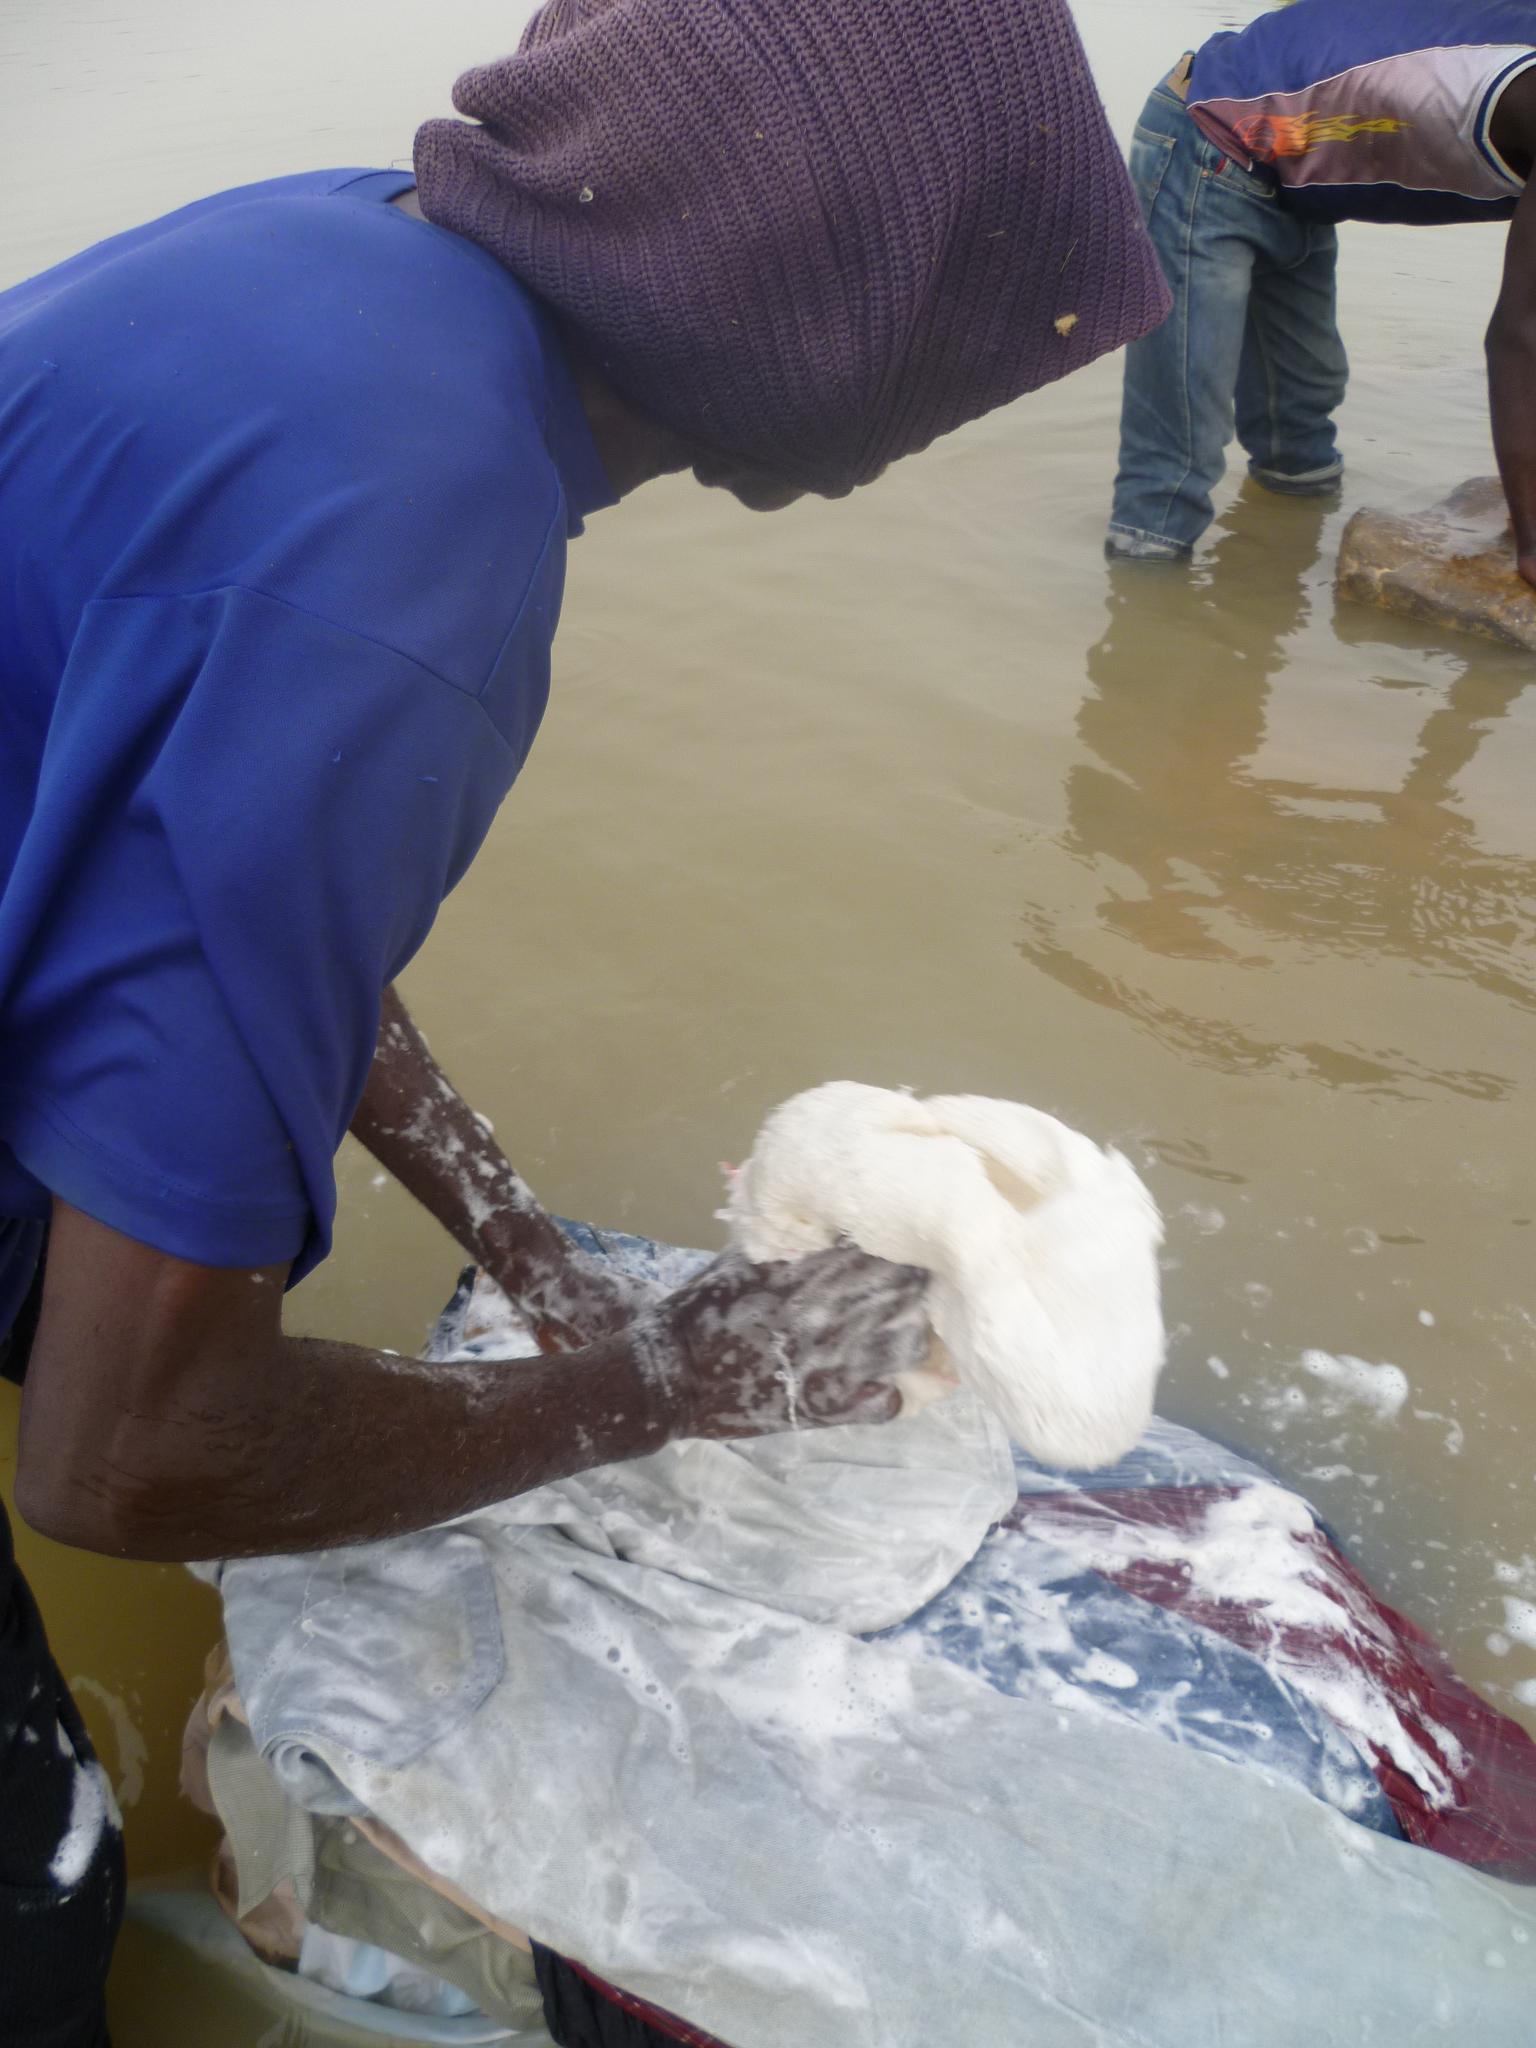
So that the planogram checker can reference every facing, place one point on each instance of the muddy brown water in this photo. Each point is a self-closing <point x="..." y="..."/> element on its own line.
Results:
<point x="915" y="789"/>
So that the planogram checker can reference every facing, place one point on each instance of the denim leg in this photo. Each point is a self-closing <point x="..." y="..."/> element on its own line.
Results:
<point x="1294" y="369"/>
<point x="1177" y="411"/>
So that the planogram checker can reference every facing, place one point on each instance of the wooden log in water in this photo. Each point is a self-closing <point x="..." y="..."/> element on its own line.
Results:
<point x="1452" y="565"/>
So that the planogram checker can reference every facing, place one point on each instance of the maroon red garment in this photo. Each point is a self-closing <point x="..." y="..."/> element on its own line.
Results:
<point x="1488" y="1759"/>
<point x="581" y="2011"/>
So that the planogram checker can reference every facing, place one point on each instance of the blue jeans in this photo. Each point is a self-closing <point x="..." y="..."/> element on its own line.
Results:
<point x="1252" y="338"/>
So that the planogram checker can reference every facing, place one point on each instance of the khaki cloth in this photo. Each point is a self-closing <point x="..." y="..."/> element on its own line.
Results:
<point x="280" y="1869"/>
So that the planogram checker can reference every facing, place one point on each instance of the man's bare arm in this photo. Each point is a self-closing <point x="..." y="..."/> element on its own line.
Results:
<point x="1511" y="340"/>
<point x="417" y="1125"/>
<point x="166" y="1415"/>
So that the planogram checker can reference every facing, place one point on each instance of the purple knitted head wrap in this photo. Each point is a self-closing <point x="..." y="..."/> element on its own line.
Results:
<point x="813" y="234"/>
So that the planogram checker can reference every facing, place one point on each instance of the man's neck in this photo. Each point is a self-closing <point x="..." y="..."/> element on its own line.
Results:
<point x="631" y="448"/>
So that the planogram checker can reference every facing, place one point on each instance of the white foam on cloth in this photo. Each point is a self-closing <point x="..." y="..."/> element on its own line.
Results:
<point x="1253" y="1551"/>
<point x="1042" y="1245"/>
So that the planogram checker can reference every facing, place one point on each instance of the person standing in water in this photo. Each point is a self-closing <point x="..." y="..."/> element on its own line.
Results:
<point x="286" y="488"/>
<point x="1244" y="159"/>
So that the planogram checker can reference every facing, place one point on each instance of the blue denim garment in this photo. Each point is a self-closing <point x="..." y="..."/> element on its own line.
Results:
<point x="1252" y="338"/>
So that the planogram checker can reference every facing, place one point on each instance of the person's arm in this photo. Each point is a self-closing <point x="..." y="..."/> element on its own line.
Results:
<point x="416" y="1124"/>
<point x="167" y="1416"/>
<point x="1511" y="348"/>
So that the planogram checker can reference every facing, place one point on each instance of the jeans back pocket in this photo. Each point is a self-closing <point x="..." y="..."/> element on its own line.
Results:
<point x="377" y="1653"/>
<point x="1151" y="155"/>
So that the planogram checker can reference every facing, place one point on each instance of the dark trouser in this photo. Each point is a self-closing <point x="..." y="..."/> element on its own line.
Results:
<point x="61" y="1858"/>
<point x="581" y="2011"/>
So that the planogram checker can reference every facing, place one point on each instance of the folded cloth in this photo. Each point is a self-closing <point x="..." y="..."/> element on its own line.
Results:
<point x="396" y="1927"/>
<point x="1043" y="1247"/>
<point x="727" y="1803"/>
<point x="395" y="1645"/>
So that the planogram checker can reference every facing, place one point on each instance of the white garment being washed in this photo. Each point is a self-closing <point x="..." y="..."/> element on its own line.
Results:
<point x="1043" y="1247"/>
<point x="626" y="1713"/>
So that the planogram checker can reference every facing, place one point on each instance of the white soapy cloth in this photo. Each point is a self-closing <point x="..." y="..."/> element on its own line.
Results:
<point x="626" y="1713"/>
<point x="716" y="1797"/>
<point x="1043" y="1248"/>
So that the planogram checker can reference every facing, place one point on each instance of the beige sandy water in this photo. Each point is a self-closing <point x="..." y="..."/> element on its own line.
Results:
<point x="913" y="789"/>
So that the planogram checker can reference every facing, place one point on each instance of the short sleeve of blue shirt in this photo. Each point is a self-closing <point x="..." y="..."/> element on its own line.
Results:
<point x="283" y="513"/>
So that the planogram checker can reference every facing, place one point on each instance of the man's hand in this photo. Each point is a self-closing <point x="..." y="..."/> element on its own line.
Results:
<point x="747" y="1350"/>
<point x="569" y="1297"/>
<point x="415" y="1123"/>
<point x="167" y="1415"/>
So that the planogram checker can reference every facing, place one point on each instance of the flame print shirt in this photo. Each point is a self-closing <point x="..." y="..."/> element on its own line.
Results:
<point x="1371" y="109"/>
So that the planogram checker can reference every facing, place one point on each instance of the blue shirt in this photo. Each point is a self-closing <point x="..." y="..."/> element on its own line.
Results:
<point x="286" y="481"/>
<point x="1371" y="109"/>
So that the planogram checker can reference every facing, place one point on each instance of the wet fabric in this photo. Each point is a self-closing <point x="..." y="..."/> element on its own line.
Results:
<point x="1378" y="110"/>
<point x="288" y="2008"/>
<point x="361" y="1894"/>
<point x="288" y="1872"/>
<point x="724" y="1801"/>
<point x="61" y="1850"/>
<point x="286" y="484"/>
<point x="581" y="2011"/>
<point x="1186" y="1591"/>
<point x="362" y="1969"/>
<point x="1040" y="1246"/>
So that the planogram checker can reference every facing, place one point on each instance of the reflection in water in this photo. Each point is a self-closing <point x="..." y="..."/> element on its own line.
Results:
<point x="1203" y="857"/>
